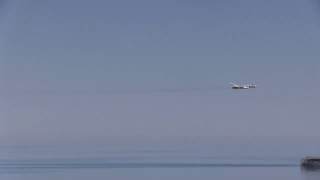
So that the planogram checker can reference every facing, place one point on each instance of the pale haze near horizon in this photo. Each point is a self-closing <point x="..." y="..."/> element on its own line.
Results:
<point x="158" y="71"/>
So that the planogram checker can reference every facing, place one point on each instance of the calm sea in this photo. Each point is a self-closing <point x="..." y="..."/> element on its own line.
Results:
<point x="95" y="163"/>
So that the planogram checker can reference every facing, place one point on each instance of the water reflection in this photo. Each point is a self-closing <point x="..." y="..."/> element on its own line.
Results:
<point x="310" y="174"/>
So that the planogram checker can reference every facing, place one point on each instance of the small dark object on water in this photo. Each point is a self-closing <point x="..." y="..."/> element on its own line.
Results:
<point x="311" y="163"/>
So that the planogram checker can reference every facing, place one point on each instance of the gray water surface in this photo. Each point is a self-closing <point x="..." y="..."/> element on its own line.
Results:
<point x="47" y="163"/>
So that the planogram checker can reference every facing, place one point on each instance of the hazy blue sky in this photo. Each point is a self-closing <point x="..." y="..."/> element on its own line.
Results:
<point x="158" y="70"/>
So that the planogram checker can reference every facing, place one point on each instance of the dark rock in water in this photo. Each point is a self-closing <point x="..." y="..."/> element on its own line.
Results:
<point x="311" y="163"/>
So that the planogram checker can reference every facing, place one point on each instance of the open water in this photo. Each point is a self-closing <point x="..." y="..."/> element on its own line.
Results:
<point x="21" y="163"/>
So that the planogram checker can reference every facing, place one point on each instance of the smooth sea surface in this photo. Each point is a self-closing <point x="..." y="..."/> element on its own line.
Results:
<point x="95" y="163"/>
